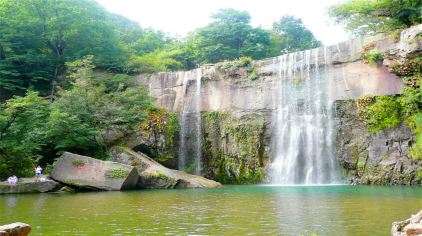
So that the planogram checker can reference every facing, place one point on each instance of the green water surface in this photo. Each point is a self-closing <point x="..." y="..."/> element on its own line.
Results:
<point x="230" y="210"/>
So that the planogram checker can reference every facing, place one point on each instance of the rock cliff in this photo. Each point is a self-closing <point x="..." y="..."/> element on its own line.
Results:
<point x="239" y="102"/>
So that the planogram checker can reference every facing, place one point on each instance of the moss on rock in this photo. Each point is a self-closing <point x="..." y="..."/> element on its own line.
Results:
<point x="233" y="150"/>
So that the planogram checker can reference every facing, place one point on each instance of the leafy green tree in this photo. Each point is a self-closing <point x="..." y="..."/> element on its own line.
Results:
<point x="90" y="115"/>
<point x="38" y="36"/>
<point x="22" y="125"/>
<point x="293" y="35"/>
<point x="363" y="17"/>
<point x="229" y="36"/>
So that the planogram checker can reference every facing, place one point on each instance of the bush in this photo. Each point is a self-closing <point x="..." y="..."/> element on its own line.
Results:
<point x="117" y="173"/>
<point x="415" y="122"/>
<point x="384" y="113"/>
<point x="373" y="57"/>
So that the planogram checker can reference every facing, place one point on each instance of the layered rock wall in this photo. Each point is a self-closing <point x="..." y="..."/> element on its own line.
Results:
<point x="238" y="112"/>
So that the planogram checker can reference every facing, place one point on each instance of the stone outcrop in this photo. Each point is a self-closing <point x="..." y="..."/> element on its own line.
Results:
<point x="409" y="227"/>
<point x="29" y="185"/>
<point x="235" y="147"/>
<point x="374" y="158"/>
<point x="153" y="175"/>
<point x="349" y="77"/>
<point x="15" y="229"/>
<point x="229" y="157"/>
<point x="89" y="173"/>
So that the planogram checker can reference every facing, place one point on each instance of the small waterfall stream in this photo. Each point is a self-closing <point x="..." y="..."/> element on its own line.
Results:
<point x="304" y="121"/>
<point x="190" y="122"/>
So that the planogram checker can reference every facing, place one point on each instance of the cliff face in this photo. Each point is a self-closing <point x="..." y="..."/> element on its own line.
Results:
<point x="368" y="158"/>
<point x="238" y="105"/>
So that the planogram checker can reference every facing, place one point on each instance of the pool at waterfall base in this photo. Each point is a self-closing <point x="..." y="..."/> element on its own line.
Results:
<point x="229" y="210"/>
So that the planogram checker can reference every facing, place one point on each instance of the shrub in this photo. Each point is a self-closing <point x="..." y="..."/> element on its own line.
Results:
<point x="373" y="57"/>
<point x="384" y="113"/>
<point x="415" y="122"/>
<point x="117" y="173"/>
<point x="78" y="163"/>
<point x="254" y="75"/>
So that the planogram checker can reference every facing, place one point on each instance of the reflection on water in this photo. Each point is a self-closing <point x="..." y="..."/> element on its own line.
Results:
<point x="231" y="210"/>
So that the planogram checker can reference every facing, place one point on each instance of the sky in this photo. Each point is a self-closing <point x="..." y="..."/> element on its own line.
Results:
<point x="178" y="17"/>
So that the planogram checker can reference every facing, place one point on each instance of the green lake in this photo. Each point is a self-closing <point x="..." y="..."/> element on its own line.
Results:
<point x="230" y="210"/>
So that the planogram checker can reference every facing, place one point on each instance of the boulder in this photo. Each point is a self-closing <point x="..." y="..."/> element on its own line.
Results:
<point x="154" y="175"/>
<point x="409" y="227"/>
<point x="28" y="185"/>
<point x="89" y="173"/>
<point x="15" y="229"/>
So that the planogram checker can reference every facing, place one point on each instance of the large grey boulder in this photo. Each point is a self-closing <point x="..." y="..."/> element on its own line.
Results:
<point x="89" y="173"/>
<point x="154" y="175"/>
<point x="409" y="227"/>
<point x="28" y="185"/>
<point x="15" y="229"/>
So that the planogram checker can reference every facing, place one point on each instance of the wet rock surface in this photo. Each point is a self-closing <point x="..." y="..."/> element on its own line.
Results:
<point x="409" y="227"/>
<point x="29" y="185"/>
<point x="15" y="229"/>
<point x="374" y="158"/>
<point x="153" y="175"/>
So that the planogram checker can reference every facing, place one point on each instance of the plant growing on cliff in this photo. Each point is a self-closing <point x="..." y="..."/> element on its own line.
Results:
<point x="159" y="123"/>
<point x="385" y="112"/>
<point x="373" y="57"/>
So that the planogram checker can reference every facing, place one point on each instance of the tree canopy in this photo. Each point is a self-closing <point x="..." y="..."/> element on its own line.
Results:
<point x="294" y="36"/>
<point x="373" y="16"/>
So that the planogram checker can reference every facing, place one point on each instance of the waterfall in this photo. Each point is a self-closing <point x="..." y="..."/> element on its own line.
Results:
<point x="304" y="122"/>
<point x="190" y="124"/>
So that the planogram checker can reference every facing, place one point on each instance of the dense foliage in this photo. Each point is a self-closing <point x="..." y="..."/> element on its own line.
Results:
<point x="38" y="37"/>
<point x="294" y="36"/>
<point x="86" y="119"/>
<point x="373" y="16"/>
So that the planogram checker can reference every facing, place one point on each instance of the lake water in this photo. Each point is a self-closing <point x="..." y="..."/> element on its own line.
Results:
<point x="230" y="210"/>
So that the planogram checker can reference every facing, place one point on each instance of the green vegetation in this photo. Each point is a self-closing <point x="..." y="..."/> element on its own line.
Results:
<point x="162" y="176"/>
<point x="117" y="173"/>
<point x="389" y="111"/>
<point x="78" y="163"/>
<point x="373" y="57"/>
<point x="293" y="35"/>
<point x="79" y="120"/>
<point x="242" y="162"/>
<point x="38" y="38"/>
<point x="369" y="17"/>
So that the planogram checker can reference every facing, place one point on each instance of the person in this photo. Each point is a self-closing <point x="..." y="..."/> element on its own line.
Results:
<point x="38" y="171"/>
<point x="12" y="179"/>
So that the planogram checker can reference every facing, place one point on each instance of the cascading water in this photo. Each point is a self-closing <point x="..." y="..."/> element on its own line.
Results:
<point x="190" y="124"/>
<point x="304" y="122"/>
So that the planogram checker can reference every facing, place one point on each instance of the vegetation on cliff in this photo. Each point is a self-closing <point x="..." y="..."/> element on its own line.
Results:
<point x="390" y="111"/>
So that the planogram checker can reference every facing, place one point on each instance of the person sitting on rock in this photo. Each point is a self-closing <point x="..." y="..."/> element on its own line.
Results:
<point x="12" y="179"/>
<point x="38" y="171"/>
<point x="15" y="179"/>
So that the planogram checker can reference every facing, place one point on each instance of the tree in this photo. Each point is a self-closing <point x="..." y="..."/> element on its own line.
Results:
<point x="294" y="36"/>
<point x="85" y="118"/>
<point x="22" y="123"/>
<point x="38" y="36"/>
<point x="229" y="36"/>
<point x="363" y="17"/>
